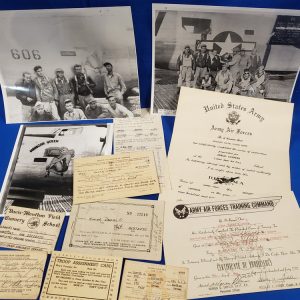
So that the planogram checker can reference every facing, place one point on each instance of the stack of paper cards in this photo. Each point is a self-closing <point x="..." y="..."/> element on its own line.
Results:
<point x="141" y="134"/>
<point x="150" y="281"/>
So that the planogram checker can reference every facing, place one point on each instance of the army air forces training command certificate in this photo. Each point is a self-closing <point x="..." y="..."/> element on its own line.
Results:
<point x="226" y="145"/>
<point x="21" y="274"/>
<point x="30" y="229"/>
<point x="124" y="227"/>
<point x="235" y="246"/>
<point x="75" y="277"/>
<point x="152" y="281"/>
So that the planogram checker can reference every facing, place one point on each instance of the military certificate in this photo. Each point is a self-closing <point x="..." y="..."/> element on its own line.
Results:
<point x="115" y="176"/>
<point x="21" y="274"/>
<point x="232" y="146"/>
<point x="124" y="227"/>
<point x="143" y="281"/>
<point x="30" y="229"/>
<point x="235" y="246"/>
<point x="82" y="277"/>
<point x="140" y="134"/>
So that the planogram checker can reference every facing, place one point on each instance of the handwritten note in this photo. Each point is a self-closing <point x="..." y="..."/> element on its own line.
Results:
<point x="21" y="274"/>
<point x="115" y="176"/>
<point x="140" y="134"/>
<point x="153" y="282"/>
<point x="235" y="246"/>
<point x="126" y="227"/>
<point x="79" y="277"/>
<point x="30" y="229"/>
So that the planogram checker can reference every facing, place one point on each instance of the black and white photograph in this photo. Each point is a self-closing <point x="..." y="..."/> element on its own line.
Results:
<point x="242" y="51"/>
<point x="68" y="64"/>
<point x="40" y="174"/>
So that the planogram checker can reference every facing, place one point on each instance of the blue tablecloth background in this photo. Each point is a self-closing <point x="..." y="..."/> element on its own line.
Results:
<point x="142" y="19"/>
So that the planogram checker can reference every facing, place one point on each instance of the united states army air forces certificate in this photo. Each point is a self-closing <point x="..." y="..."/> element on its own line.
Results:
<point x="77" y="277"/>
<point x="143" y="281"/>
<point x="225" y="145"/>
<point x="235" y="246"/>
<point x="124" y="227"/>
<point x="30" y="229"/>
<point x="21" y="274"/>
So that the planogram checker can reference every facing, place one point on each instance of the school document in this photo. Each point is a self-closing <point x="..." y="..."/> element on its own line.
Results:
<point x="235" y="246"/>
<point x="227" y="145"/>
<point x="30" y="229"/>
<point x="124" y="227"/>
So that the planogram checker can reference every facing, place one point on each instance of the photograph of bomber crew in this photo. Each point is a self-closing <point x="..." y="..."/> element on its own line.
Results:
<point x="79" y="64"/>
<point x="248" y="52"/>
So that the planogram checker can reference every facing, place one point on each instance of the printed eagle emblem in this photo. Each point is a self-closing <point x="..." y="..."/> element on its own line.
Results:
<point x="233" y="118"/>
<point x="180" y="211"/>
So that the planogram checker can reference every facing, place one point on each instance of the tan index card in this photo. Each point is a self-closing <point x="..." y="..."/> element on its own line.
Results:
<point x="21" y="274"/>
<point x="123" y="227"/>
<point x="143" y="281"/>
<point x="115" y="176"/>
<point x="30" y="229"/>
<point x="73" y="276"/>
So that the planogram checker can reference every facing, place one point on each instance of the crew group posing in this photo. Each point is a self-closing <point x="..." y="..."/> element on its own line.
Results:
<point x="238" y="73"/>
<point x="45" y="99"/>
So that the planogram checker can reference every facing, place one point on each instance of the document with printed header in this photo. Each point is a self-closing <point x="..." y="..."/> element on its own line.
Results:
<point x="30" y="229"/>
<point x="123" y="227"/>
<point x="112" y="177"/>
<point x="75" y="276"/>
<point x="227" y="145"/>
<point x="235" y="246"/>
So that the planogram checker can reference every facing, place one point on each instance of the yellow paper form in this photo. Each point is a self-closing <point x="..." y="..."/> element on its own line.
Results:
<point x="30" y="229"/>
<point x="21" y="274"/>
<point x="115" y="176"/>
<point x="71" y="276"/>
<point x="123" y="227"/>
<point x="142" y="281"/>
